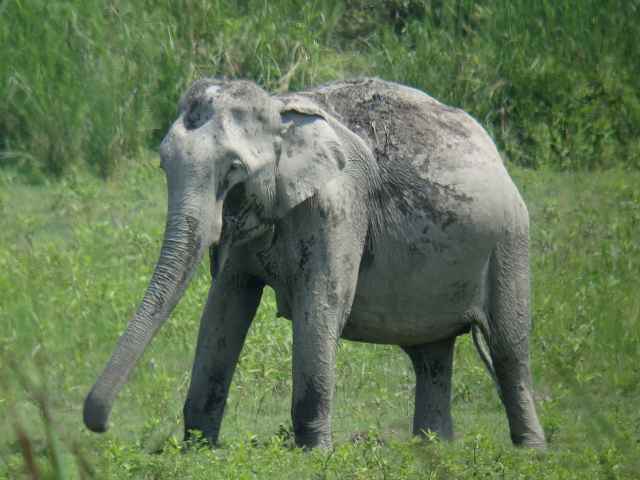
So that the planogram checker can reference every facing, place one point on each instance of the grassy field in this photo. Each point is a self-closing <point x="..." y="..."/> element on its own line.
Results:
<point x="75" y="256"/>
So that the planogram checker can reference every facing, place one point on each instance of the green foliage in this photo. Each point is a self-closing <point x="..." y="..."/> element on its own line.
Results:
<point x="554" y="81"/>
<point x="99" y="80"/>
<point x="76" y="255"/>
<point x="76" y="86"/>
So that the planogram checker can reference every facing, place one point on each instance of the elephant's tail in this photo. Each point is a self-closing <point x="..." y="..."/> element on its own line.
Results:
<point x="480" y="335"/>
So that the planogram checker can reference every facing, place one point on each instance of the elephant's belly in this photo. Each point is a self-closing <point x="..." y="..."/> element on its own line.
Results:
<point x="410" y="301"/>
<point x="403" y="328"/>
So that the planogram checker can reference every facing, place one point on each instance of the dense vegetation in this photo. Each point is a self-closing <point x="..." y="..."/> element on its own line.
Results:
<point x="556" y="82"/>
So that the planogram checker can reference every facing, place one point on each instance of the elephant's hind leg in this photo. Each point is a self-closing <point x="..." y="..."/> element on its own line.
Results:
<point x="509" y="327"/>
<point x="433" y="364"/>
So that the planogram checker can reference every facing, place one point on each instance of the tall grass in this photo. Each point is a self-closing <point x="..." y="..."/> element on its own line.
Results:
<point x="92" y="82"/>
<point x="555" y="81"/>
<point x="99" y="80"/>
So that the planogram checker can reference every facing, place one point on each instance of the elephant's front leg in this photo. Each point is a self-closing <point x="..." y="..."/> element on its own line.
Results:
<point x="327" y="262"/>
<point x="232" y="303"/>
<point x="314" y="359"/>
<point x="318" y="320"/>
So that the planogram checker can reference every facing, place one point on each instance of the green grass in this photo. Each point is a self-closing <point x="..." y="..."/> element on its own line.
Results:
<point x="75" y="256"/>
<point x="555" y="81"/>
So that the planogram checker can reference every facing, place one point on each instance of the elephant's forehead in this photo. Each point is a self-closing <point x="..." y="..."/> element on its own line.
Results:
<point x="224" y="105"/>
<point x="213" y="91"/>
<point x="222" y="97"/>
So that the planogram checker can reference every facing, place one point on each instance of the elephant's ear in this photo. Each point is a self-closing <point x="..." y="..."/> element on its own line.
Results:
<point x="312" y="153"/>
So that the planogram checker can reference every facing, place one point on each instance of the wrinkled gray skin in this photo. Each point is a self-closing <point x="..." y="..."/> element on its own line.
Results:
<point x="376" y="213"/>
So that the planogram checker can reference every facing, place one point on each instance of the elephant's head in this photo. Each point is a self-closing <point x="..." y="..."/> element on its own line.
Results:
<point x="235" y="159"/>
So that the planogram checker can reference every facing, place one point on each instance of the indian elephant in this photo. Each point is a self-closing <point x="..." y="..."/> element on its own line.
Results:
<point x="376" y="214"/>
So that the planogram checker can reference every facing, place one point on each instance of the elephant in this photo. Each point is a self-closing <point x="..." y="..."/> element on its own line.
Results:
<point x="375" y="213"/>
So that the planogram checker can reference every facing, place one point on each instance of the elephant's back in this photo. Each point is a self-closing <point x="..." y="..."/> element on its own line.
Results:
<point x="401" y="124"/>
<point x="439" y="170"/>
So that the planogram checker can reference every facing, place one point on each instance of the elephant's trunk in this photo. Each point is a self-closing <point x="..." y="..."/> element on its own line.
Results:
<point x="182" y="248"/>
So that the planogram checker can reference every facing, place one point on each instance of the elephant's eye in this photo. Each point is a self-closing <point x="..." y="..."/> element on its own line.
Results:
<point x="233" y="176"/>
<point x="197" y="115"/>
<point x="235" y="167"/>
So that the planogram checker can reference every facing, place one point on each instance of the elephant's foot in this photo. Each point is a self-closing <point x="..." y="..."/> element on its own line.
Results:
<point x="533" y="440"/>
<point x="443" y="429"/>
<point x="200" y="427"/>
<point x="308" y="443"/>
<point x="308" y="438"/>
<point x="197" y="436"/>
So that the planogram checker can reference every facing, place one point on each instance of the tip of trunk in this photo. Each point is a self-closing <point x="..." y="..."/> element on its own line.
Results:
<point x="96" y="414"/>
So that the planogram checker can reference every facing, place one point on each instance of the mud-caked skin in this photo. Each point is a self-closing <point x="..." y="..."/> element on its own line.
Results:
<point x="376" y="214"/>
